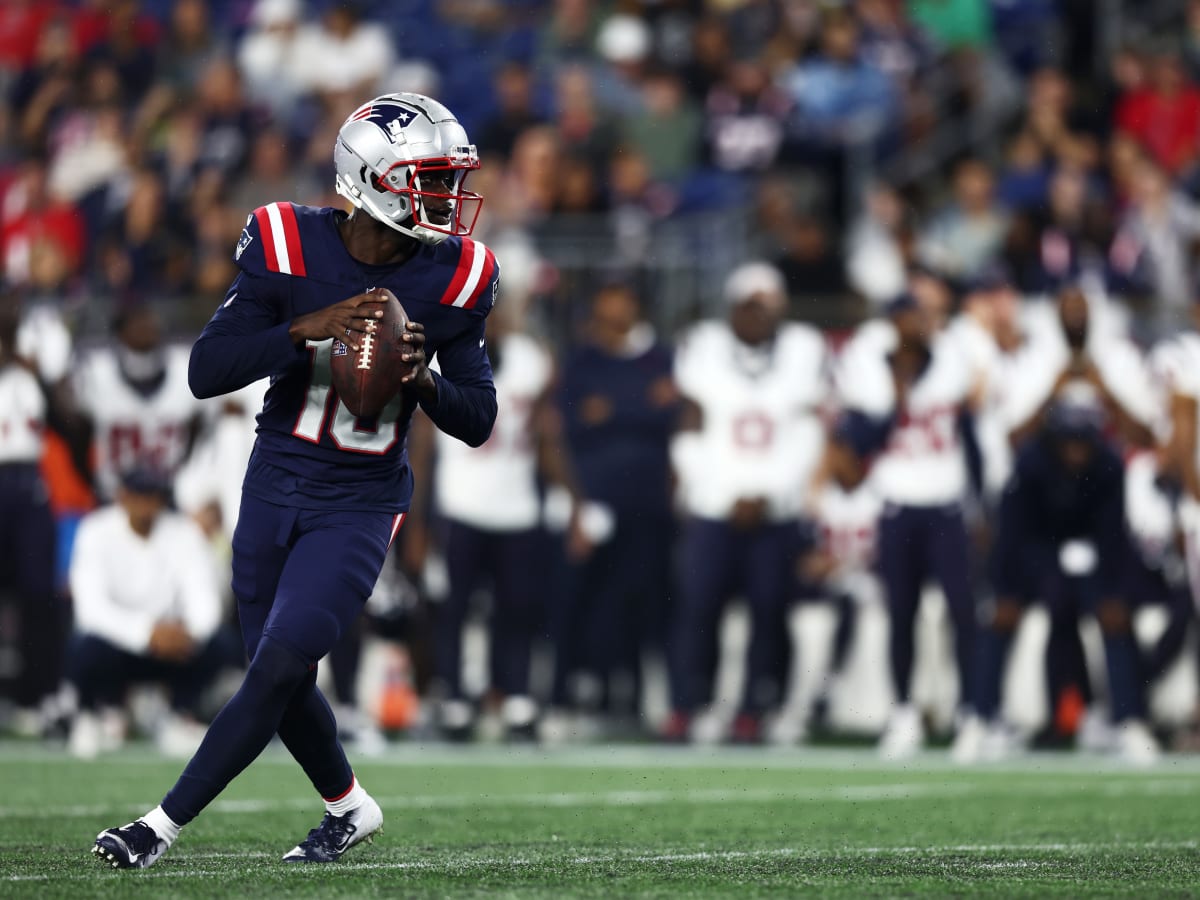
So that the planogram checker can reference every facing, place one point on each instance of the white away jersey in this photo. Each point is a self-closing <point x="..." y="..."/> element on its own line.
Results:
<point x="923" y="463"/>
<point x="215" y="470"/>
<point x="1017" y="381"/>
<point x="1119" y="362"/>
<point x="1175" y="369"/>
<point x="129" y="427"/>
<point x="761" y="433"/>
<point x="846" y="523"/>
<point x="22" y="416"/>
<point x="495" y="486"/>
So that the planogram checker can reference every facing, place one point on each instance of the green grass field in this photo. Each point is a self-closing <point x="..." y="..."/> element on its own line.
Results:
<point x="627" y="821"/>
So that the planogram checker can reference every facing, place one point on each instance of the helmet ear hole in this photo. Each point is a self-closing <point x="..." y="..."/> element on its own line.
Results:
<point x="374" y="182"/>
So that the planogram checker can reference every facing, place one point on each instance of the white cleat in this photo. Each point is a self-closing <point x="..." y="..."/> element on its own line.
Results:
<point x="337" y="834"/>
<point x="904" y="735"/>
<point x="1135" y="744"/>
<point x="969" y="742"/>
<point x="132" y="846"/>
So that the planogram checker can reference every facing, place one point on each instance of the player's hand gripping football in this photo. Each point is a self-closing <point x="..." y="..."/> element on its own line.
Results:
<point x="419" y="378"/>
<point x="347" y="321"/>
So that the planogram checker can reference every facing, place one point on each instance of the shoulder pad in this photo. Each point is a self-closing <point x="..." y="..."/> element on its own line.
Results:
<point x="271" y="240"/>
<point x="476" y="277"/>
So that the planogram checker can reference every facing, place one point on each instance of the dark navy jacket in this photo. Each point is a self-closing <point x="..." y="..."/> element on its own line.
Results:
<point x="623" y="461"/>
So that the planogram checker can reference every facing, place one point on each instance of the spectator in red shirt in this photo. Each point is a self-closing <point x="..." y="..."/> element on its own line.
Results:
<point x="1164" y="115"/>
<point x="29" y="215"/>
<point x="21" y="23"/>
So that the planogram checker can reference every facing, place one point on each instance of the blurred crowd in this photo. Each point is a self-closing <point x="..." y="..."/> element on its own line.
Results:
<point x="856" y="315"/>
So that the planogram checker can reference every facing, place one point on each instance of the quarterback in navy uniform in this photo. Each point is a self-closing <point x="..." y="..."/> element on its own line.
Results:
<point x="325" y="492"/>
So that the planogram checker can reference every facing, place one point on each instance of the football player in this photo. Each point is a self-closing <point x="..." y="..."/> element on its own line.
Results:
<point x="744" y="460"/>
<point x="27" y="528"/>
<point x="898" y="372"/>
<point x="325" y="492"/>
<point x="1175" y="363"/>
<point x="135" y="397"/>
<point x="1061" y="539"/>
<point x="619" y="407"/>
<point x="839" y="563"/>
<point x="490" y="502"/>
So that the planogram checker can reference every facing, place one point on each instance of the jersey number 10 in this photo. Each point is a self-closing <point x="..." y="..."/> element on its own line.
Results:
<point x="347" y="431"/>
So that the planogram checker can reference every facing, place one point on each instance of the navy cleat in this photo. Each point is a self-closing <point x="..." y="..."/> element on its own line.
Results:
<point x="337" y="834"/>
<point x="132" y="846"/>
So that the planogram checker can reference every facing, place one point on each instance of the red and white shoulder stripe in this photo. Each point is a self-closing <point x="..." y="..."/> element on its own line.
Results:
<point x="281" y="238"/>
<point x="474" y="272"/>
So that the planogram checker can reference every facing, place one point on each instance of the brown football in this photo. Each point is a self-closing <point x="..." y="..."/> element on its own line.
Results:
<point x="368" y="378"/>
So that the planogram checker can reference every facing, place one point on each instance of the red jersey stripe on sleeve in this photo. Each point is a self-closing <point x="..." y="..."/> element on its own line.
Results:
<point x="485" y="277"/>
<point x="291" y="234"/>
<point x="268" y="241"/>
<point x="459" y="281"/>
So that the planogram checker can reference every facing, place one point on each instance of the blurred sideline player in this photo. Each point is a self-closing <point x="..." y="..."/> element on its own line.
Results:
<point x="1062" y="540"/>
<point x="1080" y="344"/>
<point x="916" y="383"/>
<point x="209" y="485"/>
<point x="489" y="501"/>
<point x="1176" y="362"/>
<point x="619" y="406"/>
<point x="325" y="492"/>
<point x="745" y="457"/>
<point x="147" y="608"/>
<point x="840" y="564"/>
<point x="1010" y="335"/>
<point x="1079" y="339"/>
<point x="136" y="399"/>
<point x="27" y="529"/>
<point x="1158" y="569"/>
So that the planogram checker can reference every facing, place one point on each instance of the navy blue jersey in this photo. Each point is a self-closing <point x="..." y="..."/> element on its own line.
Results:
<point x="622" y="461"/>
<point x="311" y="452"/>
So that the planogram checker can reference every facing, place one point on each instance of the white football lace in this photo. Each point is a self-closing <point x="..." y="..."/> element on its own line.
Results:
<point x="364" y="354"/>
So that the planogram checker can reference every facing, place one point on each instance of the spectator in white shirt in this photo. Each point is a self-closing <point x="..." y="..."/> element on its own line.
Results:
<point x="146" y="607"/>
<point x="343" y="53"/>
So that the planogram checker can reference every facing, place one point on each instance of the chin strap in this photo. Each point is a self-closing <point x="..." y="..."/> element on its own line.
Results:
<point x="415" y="231"/>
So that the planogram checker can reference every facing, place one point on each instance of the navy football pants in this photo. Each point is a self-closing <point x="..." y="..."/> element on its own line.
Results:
<point x="717" y="562"/>
<point x="1067" y="599"/>
<point x="301" y="578"/>
<point x="27" y="552"/>
<point x="918" y="544"/>
<point x="102" y="673"/>
<point x="612" y="606"/>
<point x="511" y="564"/>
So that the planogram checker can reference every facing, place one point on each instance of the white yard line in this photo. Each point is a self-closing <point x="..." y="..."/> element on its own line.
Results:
<point x="556" y="799"/>
<point x="623" y="756"/>
<point x="854" y="793"/>
<point x="490" y="862"/>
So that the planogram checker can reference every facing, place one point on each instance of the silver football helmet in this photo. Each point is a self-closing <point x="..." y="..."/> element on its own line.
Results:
<point x="403" y="158"/>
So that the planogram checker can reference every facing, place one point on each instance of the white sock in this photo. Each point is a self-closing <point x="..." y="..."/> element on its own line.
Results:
<point x="162" y="825"/>
<point x="352" y="799"/>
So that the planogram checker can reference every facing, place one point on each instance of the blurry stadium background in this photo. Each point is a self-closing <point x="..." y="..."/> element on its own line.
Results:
<point x="1001" y="166"/>
<point x="858" y="145"/>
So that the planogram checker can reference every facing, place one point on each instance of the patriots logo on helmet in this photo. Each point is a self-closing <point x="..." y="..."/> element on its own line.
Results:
<point x="391" y="117"/>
